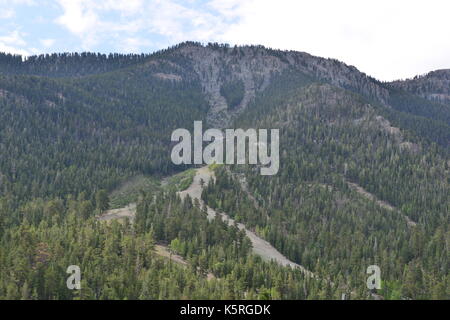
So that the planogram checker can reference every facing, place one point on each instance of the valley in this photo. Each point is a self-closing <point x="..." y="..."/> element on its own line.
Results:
<point x="201" y="178"/>
<point x="260" y="246"/>
<point x="85" y="144"/>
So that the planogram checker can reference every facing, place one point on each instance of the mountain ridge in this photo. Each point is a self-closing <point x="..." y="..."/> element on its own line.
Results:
<point x="434" y="86"/>
<point x="363" y="177"/>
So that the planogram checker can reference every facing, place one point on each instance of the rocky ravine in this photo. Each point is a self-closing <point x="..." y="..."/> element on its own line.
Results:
<point x="260" y="246"/>
<point x="434" y="86"/>
<point x="256" y="66"/>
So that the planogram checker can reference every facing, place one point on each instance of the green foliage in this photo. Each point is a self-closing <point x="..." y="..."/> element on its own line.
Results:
<point x="180" y="181"/>
<point x="67" y="64"/>
<point x="129" y="191"/>
<point x="102" y="200"/>
<point x="74" y="127"/>
<point x="118" y="261"/>
<point x="233" y="92"/>
<point x="65" y="136"/>
<point x="427" y="119"/>
<point x="330" y="137"/>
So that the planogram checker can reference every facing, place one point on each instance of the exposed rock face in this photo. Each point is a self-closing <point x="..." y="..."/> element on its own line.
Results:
<point x="256" y="65"/>
<point x="433" y="86"/>
<point x="339" y="74"/>
<point x="397" y="135"/>
<point x="168" y="76"/>
<point x="217" y="66"/>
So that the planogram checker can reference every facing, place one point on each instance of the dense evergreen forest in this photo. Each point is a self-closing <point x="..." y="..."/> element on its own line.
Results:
<point x="364" y="178"/>
<point x="67" y="64"/>
<point x="331" y="140"/>
<point x="118" y="261"/>
<point x="62" y="137"/>
<point x="233" y="92"/>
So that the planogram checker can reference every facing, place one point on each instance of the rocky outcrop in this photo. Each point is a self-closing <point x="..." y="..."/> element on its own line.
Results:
<point x="256" y="66"/>
<point x="434" y="86"/>
<point x="218" y="66"/>
<point x="339" y="74"/>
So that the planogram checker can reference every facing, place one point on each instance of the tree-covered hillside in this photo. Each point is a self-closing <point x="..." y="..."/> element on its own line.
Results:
<point x="336" y="153"/>
<point x="363" y="180"/>
<point x="64" y="136"/>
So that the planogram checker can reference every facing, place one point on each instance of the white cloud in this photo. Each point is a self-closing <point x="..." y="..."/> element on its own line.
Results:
<point x="79" y="16"/>
<point x="83" y="18"/>
<point x="7" y="13"/>
<point x="127" y="7"/>
<point x="9" y="49"/>
<point x="15" y="38"/>
<point x="12" y="42"/>
<point x="89" y="21"/>
<point x="18" y="2"/>
<point x="47" y="43"/>
<point x="386" y="39"/>
<point x="170" y="19"/>
<point x="133" y="45"/>
<point x="177" y="22"/>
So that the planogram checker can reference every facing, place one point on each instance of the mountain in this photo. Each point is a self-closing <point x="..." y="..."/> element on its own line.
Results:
<point x="363" y="176"/>
<point x="434" y="86"/>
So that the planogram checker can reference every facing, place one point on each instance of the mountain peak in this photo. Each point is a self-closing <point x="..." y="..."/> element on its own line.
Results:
<point x="434" y="85"/>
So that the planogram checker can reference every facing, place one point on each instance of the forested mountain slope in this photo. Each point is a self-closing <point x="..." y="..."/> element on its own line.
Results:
<point x="364" y="176"/>
<point x="332" y="141"/>
<point x="434" y="86"/>
<point x="67" y="64"/>
<point x="64" y="136"/>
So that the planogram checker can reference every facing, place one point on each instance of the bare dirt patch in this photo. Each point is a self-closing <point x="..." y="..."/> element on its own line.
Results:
<point x="168" y="76"/>
<point x="379" y="202"/>
<point x="121" y="213"/>
<point x="260" y="246"/>
<point x="163" y="251"/>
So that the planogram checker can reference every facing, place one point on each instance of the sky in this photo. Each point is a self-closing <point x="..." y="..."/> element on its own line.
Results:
<point x="386" y="39"/>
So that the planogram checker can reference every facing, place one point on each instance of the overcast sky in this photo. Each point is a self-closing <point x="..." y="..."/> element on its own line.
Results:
<point x="385" y="38"/>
